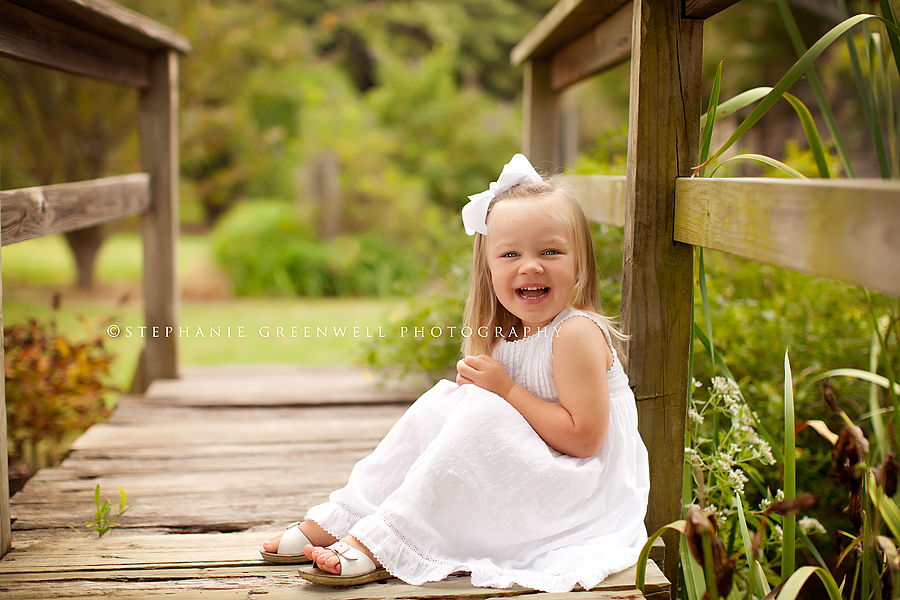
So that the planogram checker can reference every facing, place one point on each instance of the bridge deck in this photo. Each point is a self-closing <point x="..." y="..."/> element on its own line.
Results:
<point x="214" y="464"/>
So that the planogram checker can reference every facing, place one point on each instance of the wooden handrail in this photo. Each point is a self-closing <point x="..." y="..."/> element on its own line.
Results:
<point x="845" y="229"/>
<point x="28" y="213"/>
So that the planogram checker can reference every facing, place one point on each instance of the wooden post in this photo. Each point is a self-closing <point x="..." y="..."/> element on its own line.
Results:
<point x="159" y="156"/>
<point x="541" y="127"/>
<point x="5" y="519"/>
<point x="657" y="286"/>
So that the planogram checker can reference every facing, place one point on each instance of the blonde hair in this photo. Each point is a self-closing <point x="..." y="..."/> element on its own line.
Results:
<point x="484" y="310"/>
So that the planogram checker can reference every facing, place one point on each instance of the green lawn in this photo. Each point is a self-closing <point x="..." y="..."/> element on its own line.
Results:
<point x="34" y="270"/>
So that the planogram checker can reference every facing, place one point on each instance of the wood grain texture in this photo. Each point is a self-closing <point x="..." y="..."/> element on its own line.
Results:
<point x="566" y="21"/>
<point x="663" y="143"/>
<point x="606" y="45"/>
<point x="112" y="21"/>
<point x="28" y="213"/>
<point x="841" y="229"/>
<point x="601" y="196"/>
<point x="158" y="126"/>
<point x="703" y="9"/>
<point x="33" y="37"/>
<point x="206" y="500"/>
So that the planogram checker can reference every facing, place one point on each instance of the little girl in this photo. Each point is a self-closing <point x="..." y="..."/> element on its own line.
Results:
<point x="529" y="469"/>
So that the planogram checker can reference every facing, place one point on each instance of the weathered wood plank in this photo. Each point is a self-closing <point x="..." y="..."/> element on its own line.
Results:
<point x="158" y="126"/>
<point x="32" y="212"/>
<point x="603" y="47"/>
<point x="282" y="582"/>
<point x="113" y="21"/>
<point x="270" y="385"/>
<point x="32" y="37"/>
<point x="703" y="9"/>
<point x="842" y="229"/>
<point x="566" y="21"/>
<point x="663" y="143"/>
<point x="601" y="196"/>
<point x="160" y="435"/>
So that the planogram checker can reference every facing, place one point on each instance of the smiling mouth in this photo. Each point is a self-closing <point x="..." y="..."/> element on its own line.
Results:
<point x="532" y="293"/>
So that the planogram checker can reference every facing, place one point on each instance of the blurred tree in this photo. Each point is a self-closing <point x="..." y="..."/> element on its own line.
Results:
<point x="58" y="128"/>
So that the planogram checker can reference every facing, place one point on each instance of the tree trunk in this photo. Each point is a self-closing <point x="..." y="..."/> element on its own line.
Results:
<point x="85" y="245"/>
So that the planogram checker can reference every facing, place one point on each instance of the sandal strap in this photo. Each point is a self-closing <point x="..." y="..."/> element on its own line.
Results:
<point x="293" y="541"/>
<point x="353" y="562"/>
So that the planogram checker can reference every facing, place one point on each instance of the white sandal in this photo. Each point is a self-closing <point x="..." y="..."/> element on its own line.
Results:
<point x="290" y="548"/>
<point x="356" y="568"/>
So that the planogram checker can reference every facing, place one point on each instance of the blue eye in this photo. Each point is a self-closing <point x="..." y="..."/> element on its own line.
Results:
<point x="551" y="252"/>
<point x="509" y="255"/>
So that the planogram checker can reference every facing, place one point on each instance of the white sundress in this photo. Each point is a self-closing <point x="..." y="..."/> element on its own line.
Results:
<point x="463" y="483"/>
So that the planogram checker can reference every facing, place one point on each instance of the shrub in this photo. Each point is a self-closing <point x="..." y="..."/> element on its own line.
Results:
<point x="268" y="248"/>
<point x="55" y="390"/>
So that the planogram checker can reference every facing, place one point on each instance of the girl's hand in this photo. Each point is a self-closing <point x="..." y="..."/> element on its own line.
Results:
<point x="486" y="372"/>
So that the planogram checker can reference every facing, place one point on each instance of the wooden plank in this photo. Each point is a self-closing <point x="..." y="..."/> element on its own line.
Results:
<point x="663" y="143"/>
<point x="567" y="20"/>
<point x="32" y="37"/>
<point x="603" y="47"/>
<point x="541" y="119"/>
<point x="155" y="435"/>
<point x="703" y="9"/>
<point x="275" y="385"/>
<point x="158" y="125"/>
<point x="601" y="196"/>
<point x="113" y="21"/>
<point x="272" y="581"/>
<point x="841" y="229"/>
<point x="33" y="212"/>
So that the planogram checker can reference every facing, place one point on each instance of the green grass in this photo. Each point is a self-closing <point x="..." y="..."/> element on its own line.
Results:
<point x="47" y="260"/>
<point x="33" y="271"/>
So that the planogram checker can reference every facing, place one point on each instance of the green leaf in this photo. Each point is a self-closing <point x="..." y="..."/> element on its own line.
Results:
<point x="122" y="499"/>
<point x="794" y="73"/>
<point x="640" y="575"/>
<point x="816" y="85"/>
<point x="777" y="164"/>
<point x="729" y="107"/>
<point x="791" y="588"/>
<point x="812" y="134"/>
<point x="859" y="374"/>
<point x="710" y="121"/>
<point x="758" y="580"/>
<point x="704" y="294"/>
<point x="789" y="523"/>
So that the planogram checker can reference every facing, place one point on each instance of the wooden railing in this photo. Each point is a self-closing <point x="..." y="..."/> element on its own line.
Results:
<point x="102" y="40"/>
<point x="842" y="229"/>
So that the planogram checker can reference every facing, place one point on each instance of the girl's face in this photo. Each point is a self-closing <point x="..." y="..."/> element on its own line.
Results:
<point x="532" y="263"/>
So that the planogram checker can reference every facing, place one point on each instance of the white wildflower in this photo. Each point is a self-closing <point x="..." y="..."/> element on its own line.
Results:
<point x="810" y="525"/>
<point x="695" y="417"/>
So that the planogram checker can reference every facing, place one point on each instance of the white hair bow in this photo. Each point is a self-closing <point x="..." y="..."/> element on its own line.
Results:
<point x="474" y="214"/>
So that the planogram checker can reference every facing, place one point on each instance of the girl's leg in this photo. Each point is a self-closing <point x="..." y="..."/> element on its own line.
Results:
<point x="313" y="532"/>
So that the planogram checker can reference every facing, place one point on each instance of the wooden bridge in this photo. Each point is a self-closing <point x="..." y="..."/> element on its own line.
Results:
<point x="213" y="469"/>
<point x="216" y="462"/>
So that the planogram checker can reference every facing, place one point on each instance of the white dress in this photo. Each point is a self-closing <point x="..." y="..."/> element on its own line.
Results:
<point x="463" y="483"/>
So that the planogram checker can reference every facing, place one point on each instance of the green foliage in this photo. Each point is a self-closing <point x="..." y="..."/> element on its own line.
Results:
<point x="55" y="389"/>
<point x="267" y="248"/>
<point x="104" y="519"/>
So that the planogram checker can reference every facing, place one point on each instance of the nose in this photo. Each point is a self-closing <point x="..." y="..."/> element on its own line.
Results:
<point x="531" y="266"/>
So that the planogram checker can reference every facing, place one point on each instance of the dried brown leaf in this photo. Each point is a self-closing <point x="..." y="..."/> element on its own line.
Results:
<point x="791" y="507"/>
